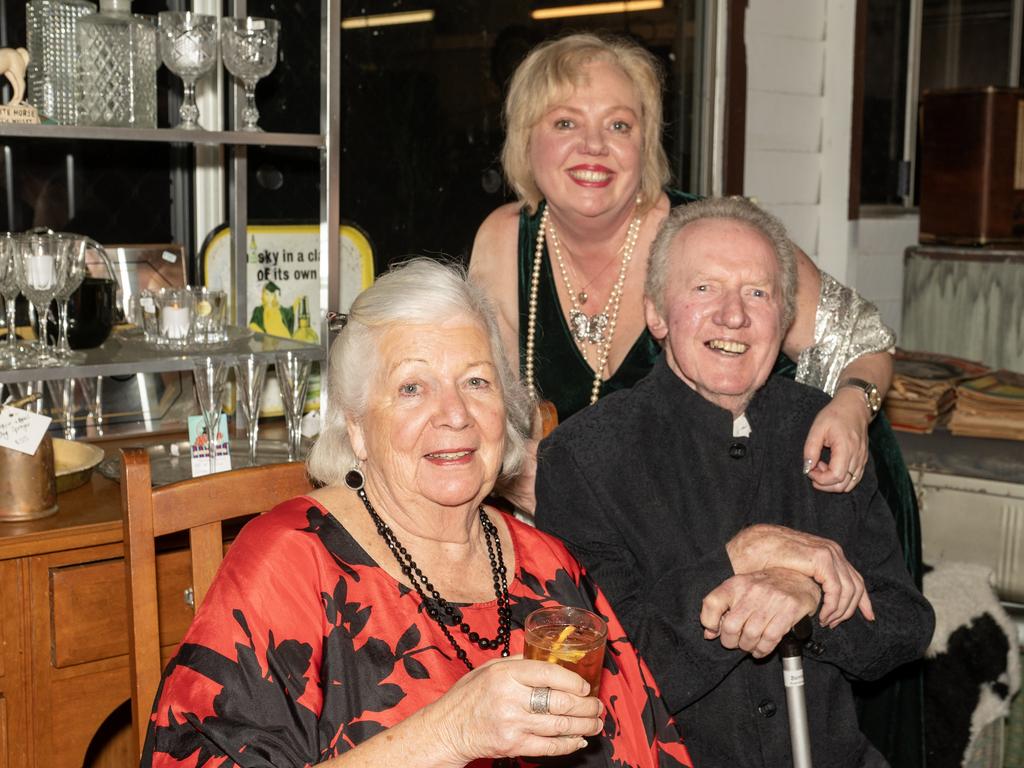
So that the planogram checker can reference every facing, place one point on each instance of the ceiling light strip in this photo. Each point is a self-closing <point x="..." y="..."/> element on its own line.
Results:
<point x="594" y="9"/>
<point x="387" y="19"/>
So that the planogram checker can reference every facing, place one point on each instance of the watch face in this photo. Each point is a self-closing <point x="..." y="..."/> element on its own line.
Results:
<point x="874" y="400"/>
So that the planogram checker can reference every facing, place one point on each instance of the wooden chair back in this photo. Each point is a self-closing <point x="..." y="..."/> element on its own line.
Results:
<point x="198" y="506"/>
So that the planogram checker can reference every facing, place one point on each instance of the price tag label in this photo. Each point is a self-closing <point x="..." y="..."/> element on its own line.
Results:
<point x="22" y="430"/>
<point x="202" y="443"/>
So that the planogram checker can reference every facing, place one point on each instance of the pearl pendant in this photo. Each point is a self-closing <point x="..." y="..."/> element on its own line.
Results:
<point x="582" y="297"/>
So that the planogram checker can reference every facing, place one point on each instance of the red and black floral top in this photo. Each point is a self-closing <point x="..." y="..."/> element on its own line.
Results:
<point x="304" y="648"/>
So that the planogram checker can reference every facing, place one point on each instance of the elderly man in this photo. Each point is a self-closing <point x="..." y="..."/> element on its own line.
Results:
<point x="687" y="498"/>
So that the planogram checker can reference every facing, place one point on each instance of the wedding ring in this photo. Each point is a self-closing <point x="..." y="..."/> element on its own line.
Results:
<point x="539" y="701"/>
<point x="853" y="475"/>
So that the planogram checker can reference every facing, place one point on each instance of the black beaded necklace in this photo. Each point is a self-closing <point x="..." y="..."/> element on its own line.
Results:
<point x="423" y="585"/>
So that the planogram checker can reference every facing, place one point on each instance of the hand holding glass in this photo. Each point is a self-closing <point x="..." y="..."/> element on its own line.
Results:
<point x="570" y="637"/>
<point x="188" y="47"/>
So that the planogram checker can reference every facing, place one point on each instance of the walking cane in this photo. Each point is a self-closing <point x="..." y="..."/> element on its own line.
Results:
<point x="791" y="649"/>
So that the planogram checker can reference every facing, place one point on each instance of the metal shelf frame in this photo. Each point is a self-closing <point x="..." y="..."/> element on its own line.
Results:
<point x="162" y="135"/>
<point x="120" y="356"/>
<point x="123" y="355"/>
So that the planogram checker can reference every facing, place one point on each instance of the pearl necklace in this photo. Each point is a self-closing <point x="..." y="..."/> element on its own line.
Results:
<point x="598" y="329"/>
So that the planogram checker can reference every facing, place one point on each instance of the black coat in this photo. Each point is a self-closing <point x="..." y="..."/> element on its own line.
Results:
<point x="648" y="485"/>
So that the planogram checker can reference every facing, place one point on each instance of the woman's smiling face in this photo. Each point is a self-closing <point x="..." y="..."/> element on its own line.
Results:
<point x="586" y="151"/>
<point x="434" y="426"/>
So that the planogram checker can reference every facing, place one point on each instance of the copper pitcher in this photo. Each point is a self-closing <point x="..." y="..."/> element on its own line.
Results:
<point x="28" y="485"/>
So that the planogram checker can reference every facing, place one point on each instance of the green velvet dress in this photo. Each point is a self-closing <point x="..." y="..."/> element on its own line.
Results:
<point x="892" y="709"/>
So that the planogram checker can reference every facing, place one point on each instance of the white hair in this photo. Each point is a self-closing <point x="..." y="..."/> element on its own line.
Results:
<point x="418" y="292"/>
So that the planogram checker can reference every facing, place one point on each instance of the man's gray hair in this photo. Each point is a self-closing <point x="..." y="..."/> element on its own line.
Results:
<point x="419" y="292"/>
<point x="735" y="209"/>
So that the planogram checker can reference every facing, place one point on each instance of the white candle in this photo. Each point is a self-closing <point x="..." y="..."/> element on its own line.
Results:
<point x="174" y="322"/>
<point x="40" y="272"/>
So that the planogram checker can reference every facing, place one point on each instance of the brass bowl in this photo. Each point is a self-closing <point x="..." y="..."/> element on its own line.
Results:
<point x="73" y="462"/>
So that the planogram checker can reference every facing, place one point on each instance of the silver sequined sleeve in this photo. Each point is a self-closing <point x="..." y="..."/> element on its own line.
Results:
<point x="845" y="328"/>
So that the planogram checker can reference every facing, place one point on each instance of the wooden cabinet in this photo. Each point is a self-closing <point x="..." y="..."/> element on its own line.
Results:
<point x="64" y="632"/>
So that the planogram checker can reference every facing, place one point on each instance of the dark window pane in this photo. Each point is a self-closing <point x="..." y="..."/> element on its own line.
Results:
<point x="885" y="79"/>
<point x="421" y="122"/>
<point x="965" y="43"/>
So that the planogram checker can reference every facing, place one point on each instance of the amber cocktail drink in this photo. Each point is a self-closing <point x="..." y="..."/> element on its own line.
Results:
<point x="570" y="637"/>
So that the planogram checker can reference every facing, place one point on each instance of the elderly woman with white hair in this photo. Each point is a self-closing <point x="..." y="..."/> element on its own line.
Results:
<point x="379" y="620"/>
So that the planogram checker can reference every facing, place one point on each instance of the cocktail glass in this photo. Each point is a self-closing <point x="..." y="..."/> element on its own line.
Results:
<point x="573" y="638"/>
<point x="188" y="47"/>
<point x="250" y="372"/>
<point x="292" y="379"/>
<point x="249" y="48"/>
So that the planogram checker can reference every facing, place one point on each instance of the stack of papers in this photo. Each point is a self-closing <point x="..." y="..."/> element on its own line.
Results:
<point x="923" y="388"/>
<point x="990" y="406"/>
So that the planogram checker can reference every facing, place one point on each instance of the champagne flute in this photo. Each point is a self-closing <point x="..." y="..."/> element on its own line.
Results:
<point x="210" y="375"/>
<point x="249" y="47"/>
<point x="292" y="378"/>
<point x="250" y="373"/>
<point x="188" y="47"/>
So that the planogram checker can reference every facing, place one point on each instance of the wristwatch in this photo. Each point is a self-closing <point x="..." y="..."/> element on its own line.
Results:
<point x="871" y="395"/>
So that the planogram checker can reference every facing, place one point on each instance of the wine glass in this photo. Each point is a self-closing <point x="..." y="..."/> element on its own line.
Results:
<point x="250" y="372"/>
<point x="11" y="354"/>
<point x="292" y="379"/>
<point x="188" y="47"/>
<point x="40" y="262"/>
<point x="73" y="253"/>
<point x="210" y="375"/>
<point x="249" y="47"/>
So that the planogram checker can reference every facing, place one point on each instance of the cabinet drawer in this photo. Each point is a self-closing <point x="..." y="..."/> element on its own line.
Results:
<point x="89" y="608"/>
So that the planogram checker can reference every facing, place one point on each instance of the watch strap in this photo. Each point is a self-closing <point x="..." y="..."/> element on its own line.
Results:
<point x="872" y="398"/>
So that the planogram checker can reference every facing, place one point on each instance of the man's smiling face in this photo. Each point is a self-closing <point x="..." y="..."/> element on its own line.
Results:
<point x="721" y="322"/>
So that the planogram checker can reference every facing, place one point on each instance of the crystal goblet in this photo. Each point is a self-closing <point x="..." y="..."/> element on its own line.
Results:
<point x="40" y="261"/>
<point x="73" y="251"/>
<point x="249" y="47"/>
<point x="188" y="47"/>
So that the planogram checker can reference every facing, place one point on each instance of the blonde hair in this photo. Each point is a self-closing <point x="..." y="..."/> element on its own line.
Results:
<point x="734" y="209"/>
<point x="419" y="292"/>
<point x="554" y="67"/>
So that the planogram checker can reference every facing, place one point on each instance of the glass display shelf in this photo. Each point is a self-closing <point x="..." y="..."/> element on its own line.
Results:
<point x="163" y="135"/>
<point x="126" y="352"/>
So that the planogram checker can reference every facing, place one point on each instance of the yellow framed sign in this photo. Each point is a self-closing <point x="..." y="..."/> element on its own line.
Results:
<point x="283" y="274"/>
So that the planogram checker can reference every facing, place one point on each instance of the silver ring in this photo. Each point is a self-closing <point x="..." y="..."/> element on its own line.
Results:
<point x="853" y="475"/>
<point x="539" y="701"/>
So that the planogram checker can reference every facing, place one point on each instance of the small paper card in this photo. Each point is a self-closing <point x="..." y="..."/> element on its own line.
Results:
<point x="200" y="441"/>
<point x="22" y="430"/>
